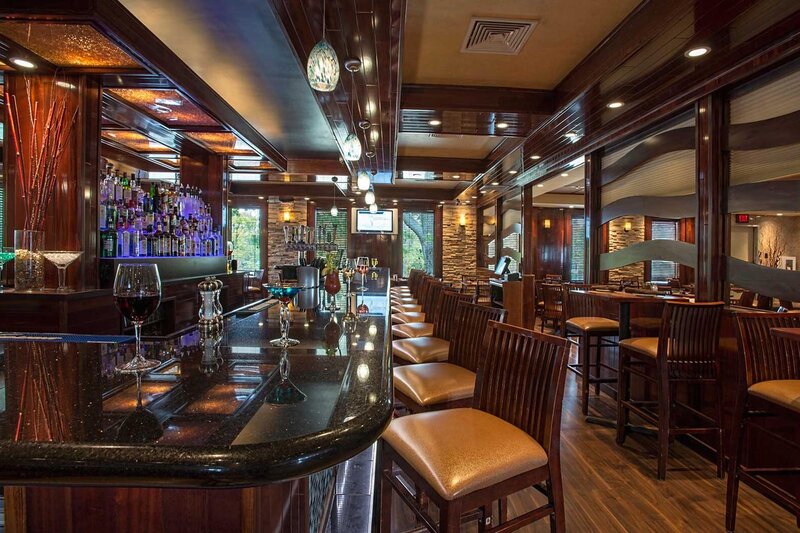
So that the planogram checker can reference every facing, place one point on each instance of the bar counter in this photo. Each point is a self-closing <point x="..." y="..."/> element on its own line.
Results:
<point x="211" y="415"/>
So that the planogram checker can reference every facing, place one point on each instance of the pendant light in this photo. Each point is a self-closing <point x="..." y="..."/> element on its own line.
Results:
<point x="363" y="181"/>
<point x="322" y="68"/>
<point x="373" y="208"/>
<point x="352" y="147"/>
<point x="352" y="144"/>
<point x="370" y="197"/>
<point x="334" y="209"/>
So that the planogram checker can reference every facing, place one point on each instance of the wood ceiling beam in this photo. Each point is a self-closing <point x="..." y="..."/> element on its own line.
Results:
<point x="384" y="192"/>
<point x="440" y="164"/>
<point x="317" y="166"/>
<point x="481" y="99"/>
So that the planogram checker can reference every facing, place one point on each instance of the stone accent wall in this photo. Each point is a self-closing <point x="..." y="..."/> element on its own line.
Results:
<point x="277" y="254"/>
<point x="459" y="254"/>
<point x="618" y="238"/>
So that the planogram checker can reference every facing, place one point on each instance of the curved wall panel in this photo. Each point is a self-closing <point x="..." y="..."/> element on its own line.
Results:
<point x="680" y="252"/>
<point x="674" y="207"/>
<point x="782" y="284"/>
<point x="647" y="150"/>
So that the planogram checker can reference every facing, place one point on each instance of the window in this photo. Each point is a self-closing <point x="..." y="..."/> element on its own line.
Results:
<point x="246" y="237"/>
<point x="663" y="270"/>
<point x="578" y="247"/>
<point x="417" y="241"/>
<point x="323" y="217"/>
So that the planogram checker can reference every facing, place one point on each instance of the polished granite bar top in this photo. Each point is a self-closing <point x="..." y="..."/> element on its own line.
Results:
<point x="217" y="412"/>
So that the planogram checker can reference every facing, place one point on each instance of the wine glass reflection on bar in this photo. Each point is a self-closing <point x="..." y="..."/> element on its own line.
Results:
<point x="62" y="259"/>
<point x="137" y="294"/>
<point x="348" y="271"/>
<point x="6" y="255"/>
<point x="284" y="292"/>
<point x="362" y="266"/>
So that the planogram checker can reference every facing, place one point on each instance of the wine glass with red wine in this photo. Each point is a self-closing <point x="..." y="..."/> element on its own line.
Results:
<point x="137" y="294"/>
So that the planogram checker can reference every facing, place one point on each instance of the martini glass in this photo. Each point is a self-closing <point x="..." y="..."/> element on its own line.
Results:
<point x="6" y="255"/>
<point x="62" y="259"/>
<point x="284" y="294"/>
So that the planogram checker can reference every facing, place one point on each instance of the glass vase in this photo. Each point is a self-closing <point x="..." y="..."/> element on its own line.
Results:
<point x="28" y="261"/>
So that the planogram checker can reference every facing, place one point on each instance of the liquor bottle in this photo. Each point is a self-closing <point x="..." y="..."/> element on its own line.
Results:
<point x="117" y="186"/>
<point x="108" y="243"/>
<point x="121" y="244"/>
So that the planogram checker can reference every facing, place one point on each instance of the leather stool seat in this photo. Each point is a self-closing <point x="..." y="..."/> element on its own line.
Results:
<point x="410" y="330"/>
<point x="404" y="300"/>
<point x="460" y="451"/>
<point x="406" y="308"/>
<point x="432" y="383"/>
<point x="407" y="318"/>
<point x="644" y="345"/>
<point x="421" y="349"/>
<point x="783" y="392"/>
<point x="593" y="324"/>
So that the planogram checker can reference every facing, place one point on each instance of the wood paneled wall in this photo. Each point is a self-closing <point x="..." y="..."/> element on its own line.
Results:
<point x="552" y="247"/>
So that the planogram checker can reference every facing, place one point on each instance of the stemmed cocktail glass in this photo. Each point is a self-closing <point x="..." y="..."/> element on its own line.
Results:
<point x="362" y="266"/>
<point x="137" y="294"/>
<point x="284" y="292"/>
<point x="62" y="259"/>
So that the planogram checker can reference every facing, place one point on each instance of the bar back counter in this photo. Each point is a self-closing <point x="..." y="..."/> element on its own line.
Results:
<point x="230" y="434"/>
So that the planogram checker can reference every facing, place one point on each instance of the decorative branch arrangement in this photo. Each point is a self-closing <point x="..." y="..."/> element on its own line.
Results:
<point x="39" y="152"/>
<point x="772" y="247"/>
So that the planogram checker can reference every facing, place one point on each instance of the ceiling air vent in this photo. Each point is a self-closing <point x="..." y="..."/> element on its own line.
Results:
<point x="497" y="36"/>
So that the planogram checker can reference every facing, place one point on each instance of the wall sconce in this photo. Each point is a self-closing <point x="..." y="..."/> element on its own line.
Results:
<point x="547" y="223"/>
<point x="627" y="226"/>
<point x="462" y="220"/>
<point x="287" y="216"/>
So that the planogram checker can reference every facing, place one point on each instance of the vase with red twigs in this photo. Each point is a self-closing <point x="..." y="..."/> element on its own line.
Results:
<point x="40" y="132"/>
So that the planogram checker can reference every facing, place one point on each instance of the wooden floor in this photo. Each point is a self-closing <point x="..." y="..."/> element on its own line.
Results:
<point x="608" y="488"/>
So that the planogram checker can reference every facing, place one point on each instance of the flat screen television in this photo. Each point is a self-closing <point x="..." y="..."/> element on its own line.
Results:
<point x="378" y="222"/>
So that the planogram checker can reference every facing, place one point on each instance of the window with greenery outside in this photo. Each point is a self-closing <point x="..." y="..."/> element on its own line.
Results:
<point x="246" y="237"/>
<point x="417" y="241"/>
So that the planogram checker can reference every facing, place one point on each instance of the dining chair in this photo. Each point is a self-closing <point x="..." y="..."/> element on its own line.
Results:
<point x="464" y="459"/>
<point x="583" y="318"/>
<point x="763" y="302"/>
<point x="769" y="390"/>
<point x="437" y="385"/>
<point x="685" y="352"/>
<point x="746" y="299"/>
<point x="551" y="310"/>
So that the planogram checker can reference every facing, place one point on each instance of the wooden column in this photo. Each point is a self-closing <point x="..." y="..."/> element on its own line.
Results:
<point x="528" y="231"/>
<point x="71" y="220"/>
<point x="591" y="216"/>
<point x="438" y="239"/>
<point x="712" y="185"/>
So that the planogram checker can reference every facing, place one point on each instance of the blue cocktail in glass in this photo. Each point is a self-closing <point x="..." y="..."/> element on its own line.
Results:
<point x="284" y="294"/>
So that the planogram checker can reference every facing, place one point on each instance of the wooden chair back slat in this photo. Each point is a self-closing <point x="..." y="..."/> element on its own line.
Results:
<point x="445" y="324"/>
<point x="553" y="299"/>
<point x="747" y="298"/>
<point x="763" y="301"/>
<point x="466" y="342"/>
<point x="580" y="304"/>
<point x="521" y="380"/>
<point x="689" y="339"/>
<point x="767" y="357"/>
<point x="429" y="306"/>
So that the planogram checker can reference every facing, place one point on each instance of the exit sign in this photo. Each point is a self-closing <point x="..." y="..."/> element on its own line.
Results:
<point x="742" y="219"/>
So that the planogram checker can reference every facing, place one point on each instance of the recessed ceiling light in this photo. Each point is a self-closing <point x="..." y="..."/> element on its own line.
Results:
<point x="501" y="125"/>
<point x="565" y="174"/>
<point x="358" y="192"/>
<point x="536" y="157"/>
<point x="780" y="214"/>
<point x="571" y="135"/>
<point x="307" y="199"/>
<point x="466" y="201"/>
<point x="474" y="197"/>
<point x="260" y="197"/>
<point x="572" y="207"/>
<point x="540" y="185"/>
<point x="456" y="176"/>
<point x="24" y="63"/>
<point x="512" y="172"/>
<point x="168" y="101"/>
<point x="697" y="52"/>
<point x="615" y="105"/>
<point x="435" y="122"/>
<point x="495" y="183"/>
<point x="441" y="203"/>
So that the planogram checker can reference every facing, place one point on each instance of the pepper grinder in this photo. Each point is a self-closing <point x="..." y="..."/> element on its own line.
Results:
<point x="208" y="311"/>
<point x="217" y="304"/>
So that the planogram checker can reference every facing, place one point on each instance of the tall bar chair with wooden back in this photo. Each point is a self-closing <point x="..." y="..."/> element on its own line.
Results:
<point x="435" y="347"/>
<point x="552" y="310"/>
<point x="583" y="319"/>
<point x="404" y="300"/>
<point x="444" y="385"/>
<point x="685" y="352"/>
<point x="769" y="391"/>
<point x="416" y="312"/>
<point x="406" y="294"/>
<point x="466" y="458"/>
<point x="424" y="325"/>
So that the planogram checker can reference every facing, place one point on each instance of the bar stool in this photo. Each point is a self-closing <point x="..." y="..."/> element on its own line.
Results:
<point x="583" y="319"/>
<point x="464" y="459"/>
<point x="769" y="390"/>
<point x="439" y="385"/>
<point x="416" y="313"/>
<point x="551" y="310"/>
<point x="436" y="346"/>
<point x="402" y="304"/>
<point x="434" y="289"/>
<point x="422" y="327"/>
<point x="684" y="352"/>
<point x="406" y="289"/>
